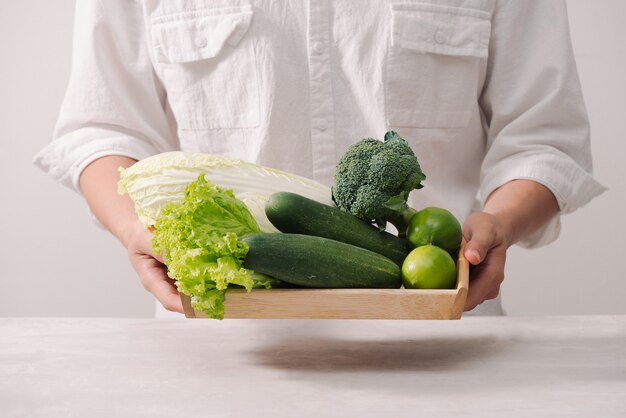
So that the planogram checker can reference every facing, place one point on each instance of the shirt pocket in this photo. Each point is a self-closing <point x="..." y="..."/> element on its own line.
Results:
<point x="208" y="67"/>
<point x="435" y="60"/>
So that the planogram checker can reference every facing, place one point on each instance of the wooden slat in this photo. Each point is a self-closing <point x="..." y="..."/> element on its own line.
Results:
<point x="187" y="308"/>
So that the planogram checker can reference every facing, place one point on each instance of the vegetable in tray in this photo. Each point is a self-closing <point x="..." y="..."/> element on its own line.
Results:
<point x="221" y="222"/>
<point x="199" y="239"/>
<point x="373" y="180"/>
<point x="312" y="261"/>
<point x="293" y="213"/>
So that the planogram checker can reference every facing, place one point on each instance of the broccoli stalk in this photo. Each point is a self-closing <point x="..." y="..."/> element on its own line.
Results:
<point x="373" y="180"/>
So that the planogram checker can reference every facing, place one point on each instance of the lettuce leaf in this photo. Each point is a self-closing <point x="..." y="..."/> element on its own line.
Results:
<point x="198" y="238"/>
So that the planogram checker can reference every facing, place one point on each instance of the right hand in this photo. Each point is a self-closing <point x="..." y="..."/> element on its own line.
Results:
<point x="150" y="268"/>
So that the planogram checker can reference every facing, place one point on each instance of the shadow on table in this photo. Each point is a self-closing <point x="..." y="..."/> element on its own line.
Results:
<point x="332" y="354"/>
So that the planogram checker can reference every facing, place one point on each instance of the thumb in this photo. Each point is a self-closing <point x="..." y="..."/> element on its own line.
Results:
<point x="145" y="245"/>
<point x="478" y="234"/>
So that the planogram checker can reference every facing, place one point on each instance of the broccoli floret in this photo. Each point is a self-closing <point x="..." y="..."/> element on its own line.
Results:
<point x="373" y="180"/>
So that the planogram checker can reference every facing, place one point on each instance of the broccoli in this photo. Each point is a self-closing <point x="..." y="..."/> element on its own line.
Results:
<point x="373" y="180"/>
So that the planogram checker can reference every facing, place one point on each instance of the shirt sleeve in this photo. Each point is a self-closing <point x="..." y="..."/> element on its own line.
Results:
<point x="534" y="110"/>
<point x="114" y="103"/>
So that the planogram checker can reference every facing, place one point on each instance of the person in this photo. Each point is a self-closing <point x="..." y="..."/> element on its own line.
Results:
<point x="486" y="92"/>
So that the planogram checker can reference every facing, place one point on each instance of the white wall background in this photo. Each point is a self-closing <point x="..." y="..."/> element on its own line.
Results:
<point x="56" y="262"/>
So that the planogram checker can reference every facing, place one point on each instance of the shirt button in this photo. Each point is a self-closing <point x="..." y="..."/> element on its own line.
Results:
<point x="321" y="125"/>
<point x="201" y="41"/>
<point x="318" y="48"/>
<point x="440" y="37"/>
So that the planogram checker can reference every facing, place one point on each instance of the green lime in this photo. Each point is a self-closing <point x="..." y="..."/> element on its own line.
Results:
<point x="436" y="226"/>
<point x="428" y="267"/>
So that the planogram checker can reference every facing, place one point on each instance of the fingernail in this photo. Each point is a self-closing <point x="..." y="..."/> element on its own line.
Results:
<point x="474" y="255"/>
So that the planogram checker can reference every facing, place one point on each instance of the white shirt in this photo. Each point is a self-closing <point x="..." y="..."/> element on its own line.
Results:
<point x="485" y="91"/>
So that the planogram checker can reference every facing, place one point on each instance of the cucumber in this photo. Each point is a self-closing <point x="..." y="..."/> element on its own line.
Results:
<point x="311" y="261"/>
<point x="292" y="213"/>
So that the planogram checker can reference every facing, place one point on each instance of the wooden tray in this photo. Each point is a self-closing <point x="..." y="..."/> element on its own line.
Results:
<point x="346" y="303"/>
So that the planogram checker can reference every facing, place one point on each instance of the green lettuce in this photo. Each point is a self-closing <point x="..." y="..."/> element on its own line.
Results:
<point x="198" y="238"/>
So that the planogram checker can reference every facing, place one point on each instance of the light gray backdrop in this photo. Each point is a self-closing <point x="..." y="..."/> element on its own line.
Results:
<point x="56" y="262"/>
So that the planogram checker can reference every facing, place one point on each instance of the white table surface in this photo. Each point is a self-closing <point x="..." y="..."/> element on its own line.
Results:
<point x="476" y="367"/>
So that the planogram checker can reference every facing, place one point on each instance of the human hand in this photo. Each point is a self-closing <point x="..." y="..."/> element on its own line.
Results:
<point x="150" y="268"/>
<point x="486" y="250"/>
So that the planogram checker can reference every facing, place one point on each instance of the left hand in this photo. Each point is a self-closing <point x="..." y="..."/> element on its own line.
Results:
<point x="486" y="250"/>
<point x="150" y="268"/>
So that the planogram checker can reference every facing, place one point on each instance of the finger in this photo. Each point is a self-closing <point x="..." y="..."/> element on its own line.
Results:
<point x="480" y="239"/>
<point x="154" y="278"/>
<point x="158" y="257"/>
<point x="486" y="279"/>
<point x="480" y="291"/>
<point x="145" y="246"/>
<point x="493" y="294"/>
